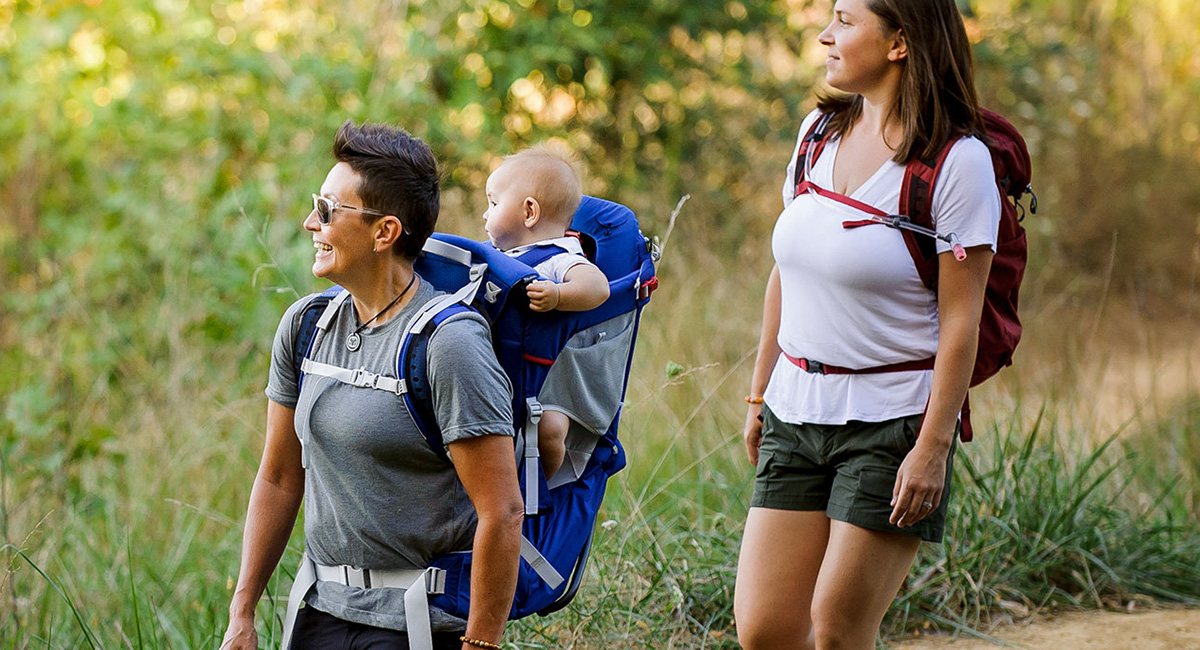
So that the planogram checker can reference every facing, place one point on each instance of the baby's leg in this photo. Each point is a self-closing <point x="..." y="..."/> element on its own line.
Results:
<point x="552" y="437"/>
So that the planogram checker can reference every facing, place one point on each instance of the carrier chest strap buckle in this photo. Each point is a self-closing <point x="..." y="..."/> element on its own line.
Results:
<point x="359" y="378"/>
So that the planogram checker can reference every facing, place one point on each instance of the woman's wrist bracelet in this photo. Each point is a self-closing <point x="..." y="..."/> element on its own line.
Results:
<point x="479" y="644"/>
<point x="751" y="399"/>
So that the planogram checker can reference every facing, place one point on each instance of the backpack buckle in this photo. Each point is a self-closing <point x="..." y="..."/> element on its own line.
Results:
<point x="646" y="288"/>
<point x="364" y="379"/>
<point x="814" y="367"/>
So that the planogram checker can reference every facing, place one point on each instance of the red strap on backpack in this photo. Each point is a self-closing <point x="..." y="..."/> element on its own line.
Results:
<point x="999" y="324"/>
<point x="813" y="143"/>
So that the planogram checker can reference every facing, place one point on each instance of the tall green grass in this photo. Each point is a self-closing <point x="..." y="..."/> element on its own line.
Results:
<point x="1039" y="519"/>
<point x="139" y="300"/>
<point x="129" y="537"/>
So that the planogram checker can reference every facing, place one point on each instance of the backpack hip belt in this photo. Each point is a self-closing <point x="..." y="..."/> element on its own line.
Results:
<point x="818" y="368"/>
<point x="417" y="584"/>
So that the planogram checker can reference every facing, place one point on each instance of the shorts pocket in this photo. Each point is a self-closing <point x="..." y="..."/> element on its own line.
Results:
<point x="875" y="484"/>
<point x="903" y="434"/>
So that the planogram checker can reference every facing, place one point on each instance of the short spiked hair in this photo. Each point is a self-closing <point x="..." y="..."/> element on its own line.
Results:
<point x="399" y="177"/>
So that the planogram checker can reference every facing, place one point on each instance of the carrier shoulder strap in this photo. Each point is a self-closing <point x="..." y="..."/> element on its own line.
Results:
<point x="307" y="333"/>
<point x="539" y="254"/>
<point x="811" y="146"/>
<point x="413" y="368"/>
<point x="916" y="202"/>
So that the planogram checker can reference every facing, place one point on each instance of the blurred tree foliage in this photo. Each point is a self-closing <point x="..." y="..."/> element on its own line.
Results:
<point x="156" y="157"/>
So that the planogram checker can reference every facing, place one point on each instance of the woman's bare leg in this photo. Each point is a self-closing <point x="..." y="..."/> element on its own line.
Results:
<point x="861" y="574"/>
<point x="781" y="555"/>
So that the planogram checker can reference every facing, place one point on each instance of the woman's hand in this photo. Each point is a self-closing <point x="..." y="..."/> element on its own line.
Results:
<point x="920" y="483"/>
<point x="764" y="363"/>
<point x="753" y="431"/>
<point x="240" y="635"/>
<point x="274" y="502"/>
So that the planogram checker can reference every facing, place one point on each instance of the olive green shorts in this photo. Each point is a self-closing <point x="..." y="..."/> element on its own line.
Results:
<point x="847" y="470"/>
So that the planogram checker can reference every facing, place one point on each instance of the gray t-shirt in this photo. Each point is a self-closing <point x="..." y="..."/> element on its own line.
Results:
<point x="376" y="495"/>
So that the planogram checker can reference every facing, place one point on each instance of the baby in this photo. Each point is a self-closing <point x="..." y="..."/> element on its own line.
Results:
<point x="532" y="198"/>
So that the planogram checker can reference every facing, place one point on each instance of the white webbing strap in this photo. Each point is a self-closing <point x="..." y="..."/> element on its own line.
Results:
<point x="331" y="309"/>
<point x="306" y="576"/>
<point x="533" y="410"/>
<point x="448" y="251"/>
<point x="375" y="578"/>
<point x="540" y="564"/>
<point x="360" y="378"/>
<point x="416" y="614"/>
<point x="465" y="295"/>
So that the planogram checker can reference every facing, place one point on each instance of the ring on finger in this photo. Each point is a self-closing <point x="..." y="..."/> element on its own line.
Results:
<point x="927" y="504"/>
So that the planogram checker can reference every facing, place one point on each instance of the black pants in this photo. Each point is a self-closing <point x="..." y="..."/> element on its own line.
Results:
<point x="316" y="630"/>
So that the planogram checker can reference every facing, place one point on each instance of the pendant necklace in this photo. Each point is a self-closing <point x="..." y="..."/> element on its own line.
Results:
<point x="354" y="340"/>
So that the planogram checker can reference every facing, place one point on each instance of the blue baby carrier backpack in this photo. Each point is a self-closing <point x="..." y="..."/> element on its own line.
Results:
<point x="574" y="362"/>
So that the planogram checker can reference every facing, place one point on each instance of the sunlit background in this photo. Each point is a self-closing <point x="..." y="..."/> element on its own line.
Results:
<point x="156" y="159"/>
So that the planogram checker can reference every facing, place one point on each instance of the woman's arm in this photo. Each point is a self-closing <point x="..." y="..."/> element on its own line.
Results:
<point x="922" y="475"/>
<point x="488" y="471"/>
<point x="274" y="502"/>
<point x="764" y="363"/>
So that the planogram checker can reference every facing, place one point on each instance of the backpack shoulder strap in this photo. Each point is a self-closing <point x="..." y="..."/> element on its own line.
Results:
<point x="810" y="148"/>
<point x="412" y="366"/>
<point x="587" y="243"/>
<point x="539" y="254"/>
<point x="312" y="319"/>
<point x="916" y="202"/>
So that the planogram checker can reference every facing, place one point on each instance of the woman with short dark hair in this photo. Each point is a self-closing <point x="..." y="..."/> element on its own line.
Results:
<point x="380" y="503"/>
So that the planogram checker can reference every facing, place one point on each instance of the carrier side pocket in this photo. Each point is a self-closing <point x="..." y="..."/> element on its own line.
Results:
<point x="587" y="383"/>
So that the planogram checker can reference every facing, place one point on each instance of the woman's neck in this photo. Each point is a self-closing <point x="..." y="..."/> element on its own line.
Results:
<point x="381" y="287"/>
<point x="878" y="111"/>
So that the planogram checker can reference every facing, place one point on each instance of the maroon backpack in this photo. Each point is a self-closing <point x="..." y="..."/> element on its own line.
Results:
<point x="999" y="325"/>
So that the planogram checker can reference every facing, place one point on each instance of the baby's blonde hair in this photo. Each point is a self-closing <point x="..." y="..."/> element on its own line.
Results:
<point x="552" y="171"/>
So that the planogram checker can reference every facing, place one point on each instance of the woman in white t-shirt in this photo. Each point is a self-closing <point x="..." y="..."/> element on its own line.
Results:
<point x="862" y="369"/>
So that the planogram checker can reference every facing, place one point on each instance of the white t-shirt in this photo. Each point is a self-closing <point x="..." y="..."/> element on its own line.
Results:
<point x="852" y="297"/>
<point x="557" y="266"/>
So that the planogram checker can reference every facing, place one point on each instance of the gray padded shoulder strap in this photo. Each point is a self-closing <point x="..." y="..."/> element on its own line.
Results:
<point x="331" y="310"/>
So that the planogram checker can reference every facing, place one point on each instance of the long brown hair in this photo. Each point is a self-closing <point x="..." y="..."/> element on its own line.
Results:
<point x="937" y="100"/>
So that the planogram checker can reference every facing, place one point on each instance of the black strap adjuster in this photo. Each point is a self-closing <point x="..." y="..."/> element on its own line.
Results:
<point x="814" y="367"/>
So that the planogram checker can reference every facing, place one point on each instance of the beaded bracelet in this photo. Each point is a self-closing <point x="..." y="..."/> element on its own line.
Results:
<point x="750" y="399"/>
<point x="478" y="643"/>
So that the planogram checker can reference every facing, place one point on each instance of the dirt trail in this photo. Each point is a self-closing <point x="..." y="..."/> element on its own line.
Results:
<point x="1161" y="630"/>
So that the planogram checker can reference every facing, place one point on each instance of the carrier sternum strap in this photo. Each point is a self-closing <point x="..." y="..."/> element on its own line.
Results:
<point x="360" y="378"/>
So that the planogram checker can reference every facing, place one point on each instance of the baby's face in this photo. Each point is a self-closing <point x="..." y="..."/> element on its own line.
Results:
<point x="505" y="219"/>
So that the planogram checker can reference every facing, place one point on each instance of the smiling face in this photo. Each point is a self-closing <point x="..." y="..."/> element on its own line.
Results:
<point x="510" y="209"/>
<point x="346" y="243"/>
<point x="863" y="54"/>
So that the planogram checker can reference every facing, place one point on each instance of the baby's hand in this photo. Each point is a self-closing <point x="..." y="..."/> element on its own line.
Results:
<point x="543" y="295"/>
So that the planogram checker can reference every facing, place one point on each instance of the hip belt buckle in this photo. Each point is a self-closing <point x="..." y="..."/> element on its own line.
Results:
<point x="814" y="367"/>
<point x="360" y="578"/>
